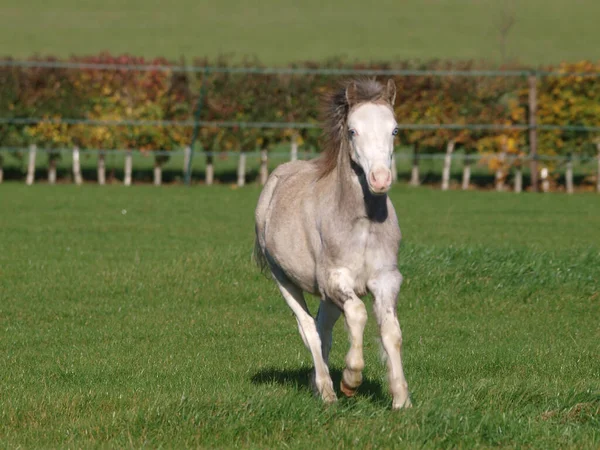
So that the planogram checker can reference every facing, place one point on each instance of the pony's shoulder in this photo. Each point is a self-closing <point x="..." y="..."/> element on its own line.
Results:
<point x="294" y="168"/>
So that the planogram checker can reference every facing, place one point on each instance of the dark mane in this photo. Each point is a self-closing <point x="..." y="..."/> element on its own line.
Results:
<point x="334" y="112"/>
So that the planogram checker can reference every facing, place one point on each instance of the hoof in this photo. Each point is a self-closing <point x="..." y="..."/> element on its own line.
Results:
<point x="347" y="390"/>
<point x="325" y="390"/>
<point x="329" y="398"/>
<point x="402" y="403"/>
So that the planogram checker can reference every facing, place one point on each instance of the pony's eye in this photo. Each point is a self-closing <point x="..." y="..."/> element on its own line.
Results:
<point x="352" y="132"/>
<point x="395" y="132"/>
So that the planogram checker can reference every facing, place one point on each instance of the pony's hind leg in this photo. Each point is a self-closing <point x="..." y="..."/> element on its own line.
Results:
<point x="308" y="330"/>
<point x="327" y="316"/>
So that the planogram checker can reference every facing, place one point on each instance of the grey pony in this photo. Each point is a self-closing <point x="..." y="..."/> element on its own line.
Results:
<point x="327" y="227"/>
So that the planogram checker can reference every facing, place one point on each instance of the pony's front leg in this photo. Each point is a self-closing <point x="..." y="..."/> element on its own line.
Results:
<point x="342" y="292"/>
<point x="385" y="287"/>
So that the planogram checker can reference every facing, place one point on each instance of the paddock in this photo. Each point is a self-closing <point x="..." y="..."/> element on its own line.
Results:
<point x="135" y="317"/>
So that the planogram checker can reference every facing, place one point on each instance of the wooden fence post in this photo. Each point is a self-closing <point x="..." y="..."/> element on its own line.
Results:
<point x="77" y="166"/>
<point x="447" y="163"/>
<point x="500" y="171"/>
<point x="545" y="181"/>
<point x="518" y="179"/>
<point x="294" y="148"/>
<point x="51" y="168"/>
<point x="414" y="175"/>
<point x="394" y="168"/>
<point x="466" y="179"/>
<point x="241" y="172"/>
<point x="533" y="132"/>
<point x="128" y="167"/>
<point x="569" y="175"/>
<point x="31" y="165"/>
<point x="157" y="172"/>
<point x="264" y="168"/>
<point x="210" y="170"/>
<point x="101" y="168"/>
<point x="187" y="151"/>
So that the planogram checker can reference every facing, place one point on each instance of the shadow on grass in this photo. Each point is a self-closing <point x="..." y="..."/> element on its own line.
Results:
<point x="300" y="380"/>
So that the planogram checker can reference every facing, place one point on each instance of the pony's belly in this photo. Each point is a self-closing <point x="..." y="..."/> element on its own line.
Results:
<point x="294" y="258"/>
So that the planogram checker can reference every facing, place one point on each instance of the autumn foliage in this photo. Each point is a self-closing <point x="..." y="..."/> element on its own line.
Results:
<point x="165" y="95"/>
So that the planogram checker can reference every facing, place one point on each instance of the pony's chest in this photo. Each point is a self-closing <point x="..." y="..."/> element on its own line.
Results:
<point x="364" y="251"/>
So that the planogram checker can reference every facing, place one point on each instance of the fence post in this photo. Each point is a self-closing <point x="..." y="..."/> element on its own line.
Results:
<point x="545" y="182"/>
<point x="414" y="175"/>
<point x="241" y="172"/>
<point x="51" y="168"/>
<point x="294" y="148"/>
<point x="569" y="174"/>
<point x="197" y="114"/>
<point x="77" y="166"/>
<point x="394" y="168"/>
<point x="128" y="167"/>
<point x="157" y="170"/>
<point x="518" y="178"/>
<point x="533" y="132"/>
<point x="31" y="165"/>
<point x="500" y="170"/>
<point x="466" y="179"/>
<point x="101" y="168"/>
<point x="447" y="163"/>
<point x="264" y="168"/>
<point x="210" y="170"/>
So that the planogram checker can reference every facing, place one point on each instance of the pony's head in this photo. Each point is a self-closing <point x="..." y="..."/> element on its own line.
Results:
<point x="360" y="124"/>
<point x="371" y="131"/>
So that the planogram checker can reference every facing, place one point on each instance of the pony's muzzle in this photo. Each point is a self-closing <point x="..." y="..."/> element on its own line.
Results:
<point x="380" y="180"/>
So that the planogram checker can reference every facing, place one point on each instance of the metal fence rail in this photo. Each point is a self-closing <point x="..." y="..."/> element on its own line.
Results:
<point x="286" y="125"/>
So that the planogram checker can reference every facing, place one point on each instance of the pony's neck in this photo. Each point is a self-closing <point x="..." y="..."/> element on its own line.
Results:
<point x="354" y="199"/>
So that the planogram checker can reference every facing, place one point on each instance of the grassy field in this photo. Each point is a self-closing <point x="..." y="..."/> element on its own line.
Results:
<point x="134" y="317"/>
<point x="279" y="32"/>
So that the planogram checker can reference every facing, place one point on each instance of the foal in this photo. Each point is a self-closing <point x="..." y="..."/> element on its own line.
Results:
<point x="327" y="227"/>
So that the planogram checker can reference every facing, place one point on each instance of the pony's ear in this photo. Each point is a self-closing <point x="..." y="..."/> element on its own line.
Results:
<point x="390" y="92"/>
<point x="351" y="94"/>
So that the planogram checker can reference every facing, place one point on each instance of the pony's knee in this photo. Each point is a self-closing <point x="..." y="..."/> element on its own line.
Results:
<point x="391" y="335"/>
<point x="355" y="312"/>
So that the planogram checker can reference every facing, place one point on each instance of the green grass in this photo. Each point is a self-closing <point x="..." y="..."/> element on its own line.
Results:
<point x="278" y="32"/>
<point x="152" y="328"/>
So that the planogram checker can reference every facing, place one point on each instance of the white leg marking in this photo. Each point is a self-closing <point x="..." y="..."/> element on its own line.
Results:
<point x="308" y="330"/>
<point x="385" y="287"/>
<point x="340" y="288"/>
<point x="356" y="319"/>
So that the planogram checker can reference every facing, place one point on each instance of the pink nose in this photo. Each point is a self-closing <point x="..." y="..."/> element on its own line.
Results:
<point x="380" y="179"/>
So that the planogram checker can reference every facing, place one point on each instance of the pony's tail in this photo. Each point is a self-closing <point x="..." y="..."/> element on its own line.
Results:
<point x="258" y="255"/>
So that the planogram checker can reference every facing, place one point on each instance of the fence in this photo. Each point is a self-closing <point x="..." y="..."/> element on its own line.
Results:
<point x="503" y="159"/>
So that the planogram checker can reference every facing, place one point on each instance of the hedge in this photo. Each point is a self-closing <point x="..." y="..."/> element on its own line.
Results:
<point x="57" y="94"/>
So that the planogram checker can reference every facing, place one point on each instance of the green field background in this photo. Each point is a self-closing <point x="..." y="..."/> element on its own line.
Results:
<point x="279" y="32"/>
<point x="135" y="318"/>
